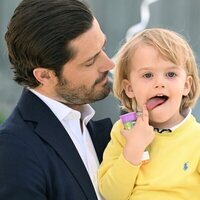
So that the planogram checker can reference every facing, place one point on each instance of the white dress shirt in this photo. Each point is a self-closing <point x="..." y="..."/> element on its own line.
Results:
<point x="70" y="120"/>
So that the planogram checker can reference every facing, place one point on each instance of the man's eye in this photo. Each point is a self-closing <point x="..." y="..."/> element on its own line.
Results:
<point x="90" y="63"/>
<point x="171" y="74"/>
<point x="148" y="75"/>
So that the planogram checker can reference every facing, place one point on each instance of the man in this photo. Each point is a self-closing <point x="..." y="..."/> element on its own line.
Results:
<point x="50" y="148"/>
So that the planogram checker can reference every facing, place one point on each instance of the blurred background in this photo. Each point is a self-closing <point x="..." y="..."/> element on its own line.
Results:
<point x="119" y="19"/>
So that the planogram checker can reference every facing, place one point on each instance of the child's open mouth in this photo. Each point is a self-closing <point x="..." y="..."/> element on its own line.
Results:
<point x="156" y="101"/>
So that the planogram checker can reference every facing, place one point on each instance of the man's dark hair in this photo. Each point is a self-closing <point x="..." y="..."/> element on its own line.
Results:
<point x="39" y="34"/>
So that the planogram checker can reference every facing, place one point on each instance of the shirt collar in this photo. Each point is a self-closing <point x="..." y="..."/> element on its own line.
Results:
<point x="62" y="111"/>
<point x="186" y="114"/>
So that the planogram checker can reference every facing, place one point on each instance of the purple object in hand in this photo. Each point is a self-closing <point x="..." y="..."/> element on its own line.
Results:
<point x="128" y="119"/>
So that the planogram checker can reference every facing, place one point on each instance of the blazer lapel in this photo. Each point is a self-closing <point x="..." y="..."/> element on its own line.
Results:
<point x="51" y="130"/>
<point x="100" y="135"/>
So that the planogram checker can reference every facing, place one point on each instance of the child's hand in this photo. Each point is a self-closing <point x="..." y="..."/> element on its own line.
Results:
<point x="138" y="138"/>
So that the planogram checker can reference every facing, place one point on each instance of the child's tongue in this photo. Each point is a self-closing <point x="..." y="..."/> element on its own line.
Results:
<point x="153" y="102"/>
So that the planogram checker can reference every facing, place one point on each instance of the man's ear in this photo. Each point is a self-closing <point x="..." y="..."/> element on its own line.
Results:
<point x="43" y="75"/>
<point x="128" y="88"/>
<point x="188" y="85"/>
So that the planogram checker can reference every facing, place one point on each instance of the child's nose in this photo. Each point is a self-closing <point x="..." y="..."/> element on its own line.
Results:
<point x="159" y="82"/>
<point x="159" y="86"/>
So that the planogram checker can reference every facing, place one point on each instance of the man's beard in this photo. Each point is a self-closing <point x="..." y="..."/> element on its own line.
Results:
<point x="71" y="95"/>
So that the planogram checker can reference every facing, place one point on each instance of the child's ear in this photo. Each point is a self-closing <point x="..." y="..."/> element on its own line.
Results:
<point x="188" y="85"/>
<point x="128" y="88"/>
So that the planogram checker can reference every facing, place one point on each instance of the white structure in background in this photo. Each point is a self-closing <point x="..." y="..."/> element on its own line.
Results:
<point x="144" y="15"/>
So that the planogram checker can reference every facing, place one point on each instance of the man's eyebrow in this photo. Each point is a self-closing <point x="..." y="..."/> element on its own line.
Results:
<point x="94" y="56"/>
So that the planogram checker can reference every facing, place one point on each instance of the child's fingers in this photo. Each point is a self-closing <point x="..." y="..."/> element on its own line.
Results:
<point x="125" y="133"/>
<point x="145" y="114"/>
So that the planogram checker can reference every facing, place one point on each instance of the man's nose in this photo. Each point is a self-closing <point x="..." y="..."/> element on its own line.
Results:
<point x="107" y="63"/>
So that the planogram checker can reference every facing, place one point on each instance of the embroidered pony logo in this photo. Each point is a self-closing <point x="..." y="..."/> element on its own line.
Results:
<point x="185" y="166"/>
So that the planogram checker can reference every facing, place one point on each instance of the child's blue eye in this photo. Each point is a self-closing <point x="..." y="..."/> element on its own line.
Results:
<point x="171" y="74"/>
<point x="148" y="75"/>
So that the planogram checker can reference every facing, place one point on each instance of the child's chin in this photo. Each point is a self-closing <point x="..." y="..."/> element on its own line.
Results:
<point x="157" y="117"/>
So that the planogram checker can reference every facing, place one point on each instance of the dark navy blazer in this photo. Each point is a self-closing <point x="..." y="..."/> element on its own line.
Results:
<point x="38" y="160"/>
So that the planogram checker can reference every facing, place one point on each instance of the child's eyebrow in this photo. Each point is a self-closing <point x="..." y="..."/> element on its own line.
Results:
<point x="170" y="67"/>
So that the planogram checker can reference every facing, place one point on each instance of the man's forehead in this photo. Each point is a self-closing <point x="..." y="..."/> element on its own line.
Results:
<point x="89" y="43"/>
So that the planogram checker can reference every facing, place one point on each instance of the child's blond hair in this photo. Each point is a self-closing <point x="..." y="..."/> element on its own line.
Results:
<point x="172" y="47"/>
